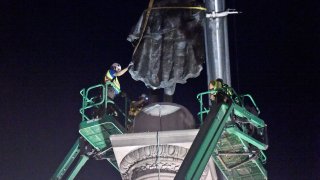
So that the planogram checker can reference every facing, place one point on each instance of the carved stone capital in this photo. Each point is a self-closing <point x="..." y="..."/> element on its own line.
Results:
<point x="149" y="162"/>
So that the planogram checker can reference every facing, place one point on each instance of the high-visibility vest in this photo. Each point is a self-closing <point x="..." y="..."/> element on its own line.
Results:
<point x="111" y="77"/>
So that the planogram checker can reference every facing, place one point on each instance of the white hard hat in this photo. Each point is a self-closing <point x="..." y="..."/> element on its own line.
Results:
<point x="116" y="66"/>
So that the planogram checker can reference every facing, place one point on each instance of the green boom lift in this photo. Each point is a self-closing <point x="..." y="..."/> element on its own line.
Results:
<point x="95" y="128"/>
<point x="231" y="133"/>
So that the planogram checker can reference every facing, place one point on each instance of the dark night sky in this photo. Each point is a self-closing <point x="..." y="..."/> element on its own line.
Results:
<point x="50" y="50"/>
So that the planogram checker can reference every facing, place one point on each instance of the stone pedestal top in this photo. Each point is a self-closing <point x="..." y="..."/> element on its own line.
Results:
<point x="151" y="155"/>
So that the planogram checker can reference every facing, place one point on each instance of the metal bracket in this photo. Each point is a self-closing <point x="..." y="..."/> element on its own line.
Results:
<point x="214" y="14"/>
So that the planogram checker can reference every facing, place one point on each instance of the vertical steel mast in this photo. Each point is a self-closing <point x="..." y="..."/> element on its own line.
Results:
<point x="216" y="41"/>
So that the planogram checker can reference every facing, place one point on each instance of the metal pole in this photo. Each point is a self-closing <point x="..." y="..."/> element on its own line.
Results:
<point x="216" y="41"/>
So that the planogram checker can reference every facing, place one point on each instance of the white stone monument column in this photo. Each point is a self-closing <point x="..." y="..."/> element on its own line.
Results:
<point x="155" y="155"/>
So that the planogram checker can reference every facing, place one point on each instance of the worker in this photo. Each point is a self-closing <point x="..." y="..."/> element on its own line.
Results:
<point x="223" y="91"/>
<point x="135" y="108"/>
<point x="214" y="85"/>
<point x="111" y="76"/>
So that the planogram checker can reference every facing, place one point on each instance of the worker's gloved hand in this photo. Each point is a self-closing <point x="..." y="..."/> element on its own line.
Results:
<point x="130" y="64"/>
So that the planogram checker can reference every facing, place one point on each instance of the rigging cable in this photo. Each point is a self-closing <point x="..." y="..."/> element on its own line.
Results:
<point x="236" y="50"/>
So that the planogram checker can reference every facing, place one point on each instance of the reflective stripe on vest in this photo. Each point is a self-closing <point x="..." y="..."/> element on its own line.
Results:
<point x="108" y="76"/>
<point x="113" y="79"/>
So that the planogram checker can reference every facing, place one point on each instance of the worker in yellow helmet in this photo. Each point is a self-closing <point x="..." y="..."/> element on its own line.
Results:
<point x="135" y="109"/>
<point x="215" y="85"/>
<point x="111" y="76"/>
<point x="136" y="106"/>
<point x="223" y="91"/>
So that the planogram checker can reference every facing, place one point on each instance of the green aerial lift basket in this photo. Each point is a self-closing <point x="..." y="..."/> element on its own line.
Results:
<point x="97" y="132"/>
<point x="225" y="136"/>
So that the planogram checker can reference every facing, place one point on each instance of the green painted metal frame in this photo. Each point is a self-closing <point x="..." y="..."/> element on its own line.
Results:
<point x="82" y="160"/>
<point x="252" y="101"/>
<point x="204" y="144"/>
<point x="249" y="161"/>
<point x="97" y="132"/>
<point x="88" y="103"/>
<point x="237" y="99"/>
<point x="236" y="131"/>
<point x="204" y="110"/>
<point x="254" y="120"/>
<point x="90" y="127"/>
<point x="68" y="160"/>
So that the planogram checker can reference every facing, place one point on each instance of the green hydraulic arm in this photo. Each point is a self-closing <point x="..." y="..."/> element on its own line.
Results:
<point x="68" y="160"/>
<point x="82" y="160"/>
<point x="204" y="144"/>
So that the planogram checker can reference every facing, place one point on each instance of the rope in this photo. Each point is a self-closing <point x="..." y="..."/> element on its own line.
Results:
<point x="236" y="50"/>
<point x="144" y="25"/>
